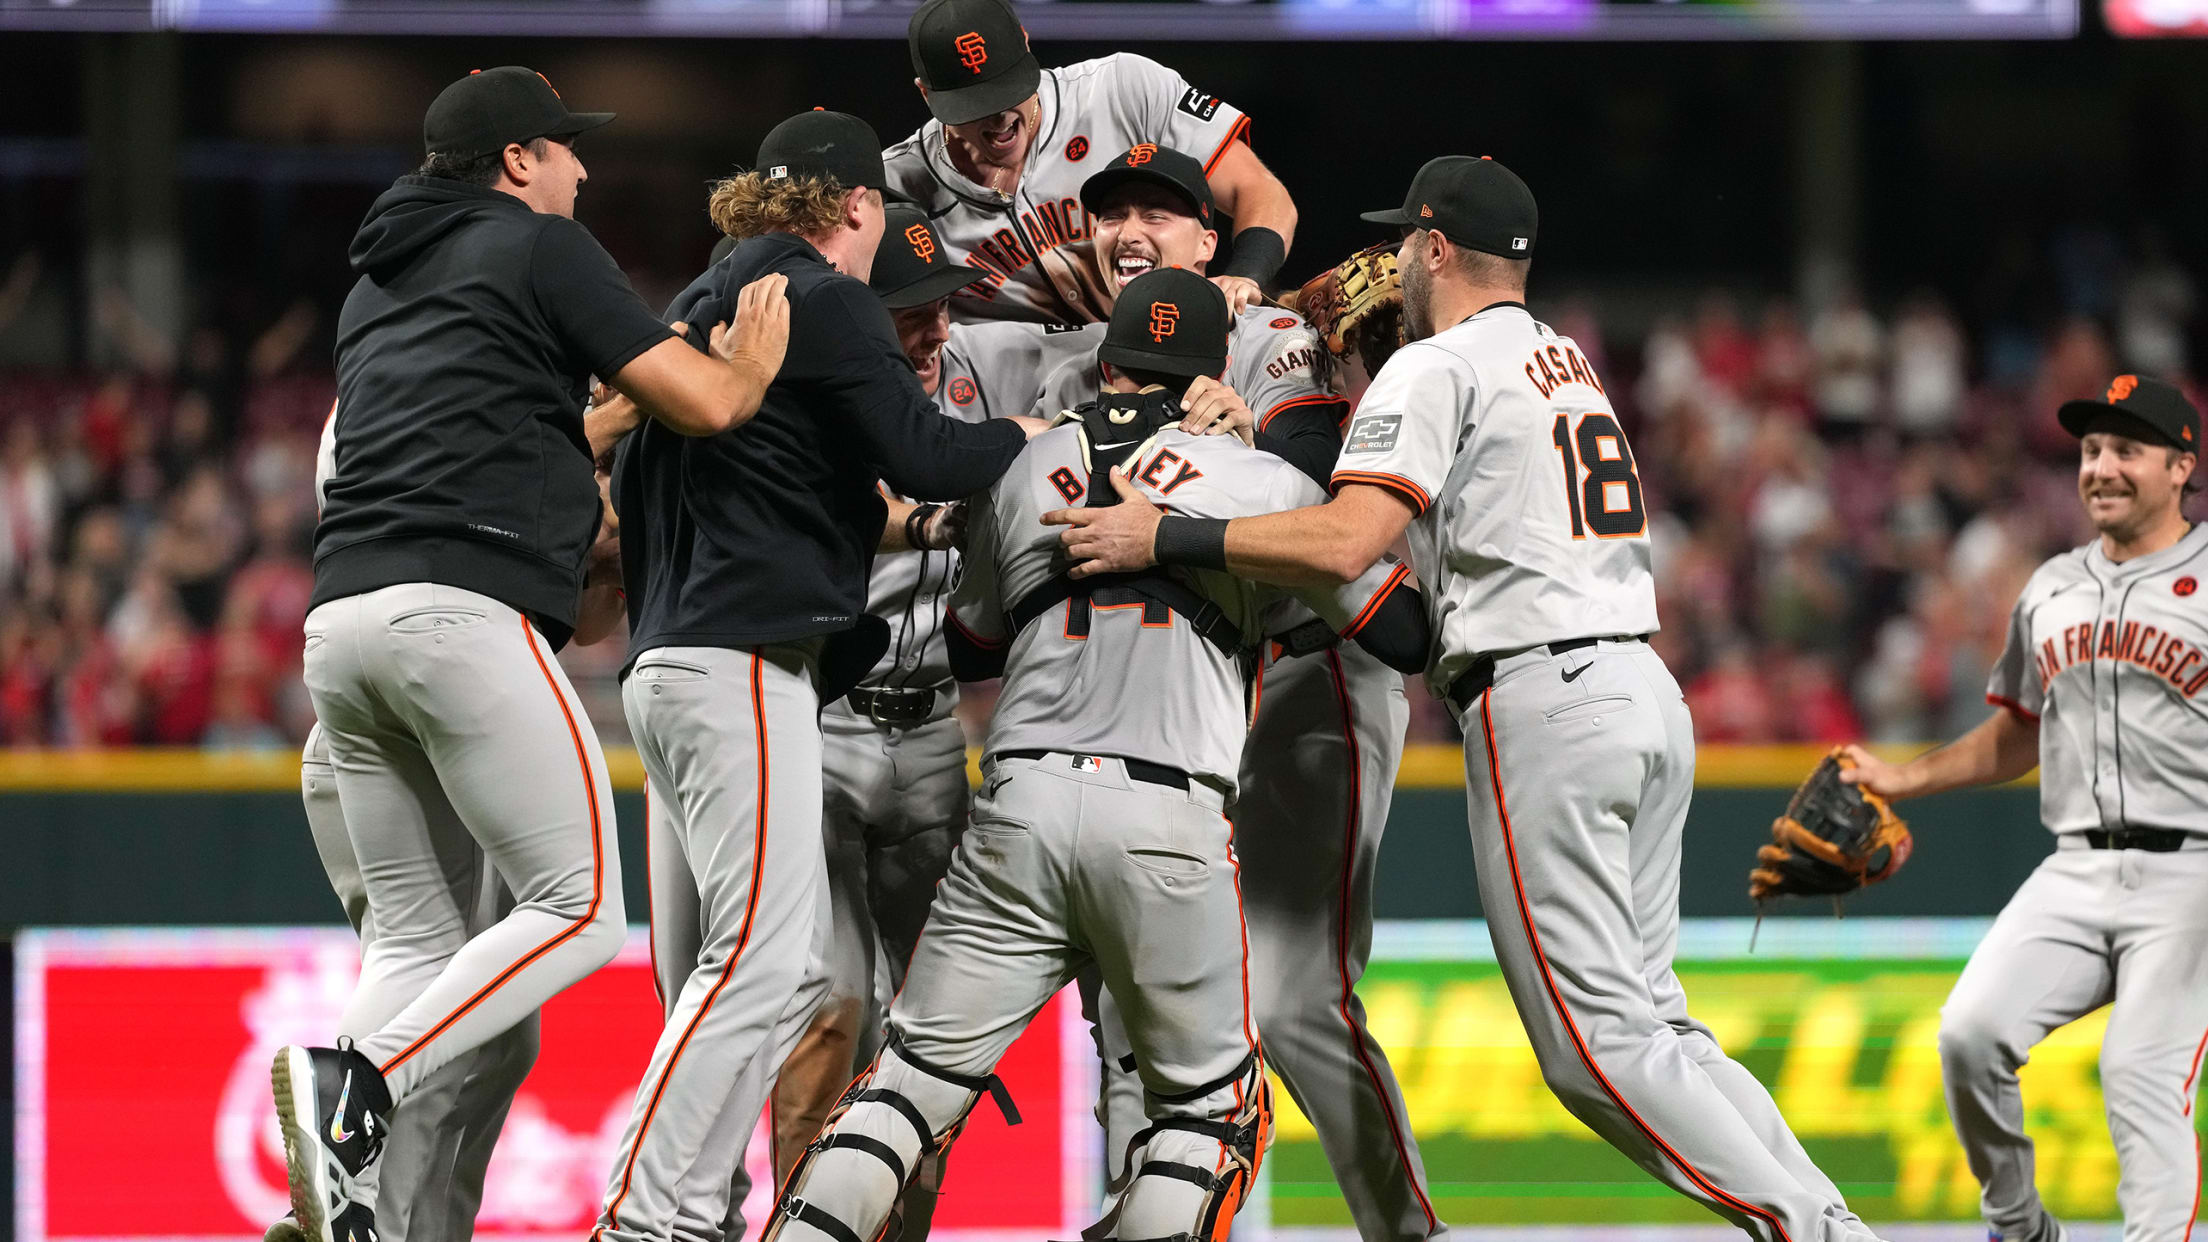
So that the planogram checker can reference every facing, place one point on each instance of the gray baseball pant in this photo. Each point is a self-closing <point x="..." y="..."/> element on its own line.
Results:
<point x="451" y="728"/>
<point x="895" y="801"/>
<point x="1578" y="771"/>
<point x="1067" y="860"/>
<point x="431" y="1175"/>
<point x="2089" y="928"/>
<point x="730" y="741"/>
<point x="1318" y="774"/>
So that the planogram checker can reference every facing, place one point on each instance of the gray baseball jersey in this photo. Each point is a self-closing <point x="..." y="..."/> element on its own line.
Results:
<point x="1142" y="686"/>
<point x="1531" y="526"/>
<point x="1272" y="358"/>
<point x="2110" y="660"/>
<point x="1034" y="241"/>
<point x="1579" y="756"/>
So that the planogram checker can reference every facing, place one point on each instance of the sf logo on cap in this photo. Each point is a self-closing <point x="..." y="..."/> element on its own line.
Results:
<point x="972" y="51"/>
<point x="1141" y="153"/>
<point x="923" y="242"/>
<point x="2122" y="387"/>
<point x="1163" y="317"/>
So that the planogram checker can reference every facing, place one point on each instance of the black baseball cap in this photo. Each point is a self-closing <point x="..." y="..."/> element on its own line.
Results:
<point x="1170" y="320"/>
<point x="489" y="108"/>
<point x="1474" y="201"/>
<point x="1147" y="161"/>
<point x="910" y="268"/>
<point x="973" y="57"/>
<point x="2138" y="404"/>
<point x="820" y="143"/>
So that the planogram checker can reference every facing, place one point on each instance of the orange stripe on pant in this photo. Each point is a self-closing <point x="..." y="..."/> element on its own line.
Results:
<point x="1564" y="1013"/>
<point x="743" y="937"/>
<point x="597" y="873"/>
<point x="1350" y="825"/>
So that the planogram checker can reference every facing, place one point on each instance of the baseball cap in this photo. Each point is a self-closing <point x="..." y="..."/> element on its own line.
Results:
<point x="973" y="57"/>
<point x="2157" y="407"/>
<point x="489" y="108"/>
<point x="1147" y="161"/>
<point x="820" y="143"/>
<point x="910" y="268"/>
<point x="1474" y="201"/>
<point x="1171" y="321"/>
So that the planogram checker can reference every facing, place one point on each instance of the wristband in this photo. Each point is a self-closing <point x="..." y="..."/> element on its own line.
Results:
<point x="915" y="522"/>
<point x="1259" y="253"/>
<point x="1199" y="543"/>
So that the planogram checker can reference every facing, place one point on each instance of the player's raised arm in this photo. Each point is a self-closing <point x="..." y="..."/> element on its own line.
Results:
<point x="2003" y="747"/>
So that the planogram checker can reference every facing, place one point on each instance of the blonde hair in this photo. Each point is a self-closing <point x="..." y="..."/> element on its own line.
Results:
<point x="749" y="204"/>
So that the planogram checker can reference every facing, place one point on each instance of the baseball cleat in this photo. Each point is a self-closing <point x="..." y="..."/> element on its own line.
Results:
<point x="334" y="1109"/>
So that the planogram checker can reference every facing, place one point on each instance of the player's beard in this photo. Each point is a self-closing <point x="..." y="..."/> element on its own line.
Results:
<point x="1418" y="308"/>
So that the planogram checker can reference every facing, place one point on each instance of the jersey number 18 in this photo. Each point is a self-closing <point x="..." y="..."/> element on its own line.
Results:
<point x="1609" y="497"/>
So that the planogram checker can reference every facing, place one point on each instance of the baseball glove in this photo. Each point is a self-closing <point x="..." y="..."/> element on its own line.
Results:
<point x="1356" y="307"/>
<point x="1833" y="839"/>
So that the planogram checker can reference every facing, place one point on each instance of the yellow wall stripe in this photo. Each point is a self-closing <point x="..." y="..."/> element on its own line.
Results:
<point x="153" y="770"/>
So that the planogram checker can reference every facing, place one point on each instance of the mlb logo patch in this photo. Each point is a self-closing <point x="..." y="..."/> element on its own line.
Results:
<point x="1517" y="243"/>
<point x="778" y="172"/>
<point x="1088" y="763"/>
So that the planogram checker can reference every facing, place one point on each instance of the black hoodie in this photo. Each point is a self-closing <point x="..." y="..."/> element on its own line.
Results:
<point x="462" y="355"/>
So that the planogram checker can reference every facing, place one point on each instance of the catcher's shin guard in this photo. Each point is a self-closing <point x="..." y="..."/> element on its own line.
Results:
<point x="898" y="1112"/>
<point x="1192" y="1172"/>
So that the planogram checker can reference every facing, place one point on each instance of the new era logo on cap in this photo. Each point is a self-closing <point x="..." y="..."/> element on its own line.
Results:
<point x="923" y="242"/>
<point x="972" y="49"/>
<point x="1426" y="211"/>
<point x="1164" y="317"/>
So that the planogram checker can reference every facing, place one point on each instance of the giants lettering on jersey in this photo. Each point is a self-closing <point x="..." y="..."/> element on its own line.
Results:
<point x="1299" y="359"/>
<point x="1051" y="224"/>
<point x="1559" y="365"/>
<point x="2174" y="660"/>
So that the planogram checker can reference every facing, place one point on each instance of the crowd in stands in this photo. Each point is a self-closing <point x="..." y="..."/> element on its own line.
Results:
<point x="1844" y="503"/>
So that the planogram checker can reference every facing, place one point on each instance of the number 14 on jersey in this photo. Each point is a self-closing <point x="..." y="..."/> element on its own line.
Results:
<point x="1601" y="484"/>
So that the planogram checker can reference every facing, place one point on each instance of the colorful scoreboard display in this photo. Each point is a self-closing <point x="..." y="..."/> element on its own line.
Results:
<point x="1839" y="1020"/>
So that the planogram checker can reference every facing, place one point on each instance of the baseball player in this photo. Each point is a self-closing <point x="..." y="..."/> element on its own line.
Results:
<point x="1151" y="208"/>
<point x="2099" y="686"/>
<point x="448" y="569"/>
<point x="893" y="757"/>
<point x="1324" y="744"/>
<point x="999" y="169"/>
<point x="1099" y="835"/>
<point x="1492" y="441"/>
<point x="747" y="559"/>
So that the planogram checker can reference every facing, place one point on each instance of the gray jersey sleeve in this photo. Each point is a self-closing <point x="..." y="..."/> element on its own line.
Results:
<point x="975" y="606"/>
<point x="1347" y="607"/>
<point x="1274" y="367"/>
<point x="1159" y="104"/>
<point x="1072" y="382"/>
<point x="1404" y="437"/>
<point x="2015" y="681"/>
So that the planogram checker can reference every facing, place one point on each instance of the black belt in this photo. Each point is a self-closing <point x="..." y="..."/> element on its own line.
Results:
<point x="2153" y="840"/>
<point x="1141" y="770"/>
<point x="1474" y="681"/>
<point x="893" y="707"/>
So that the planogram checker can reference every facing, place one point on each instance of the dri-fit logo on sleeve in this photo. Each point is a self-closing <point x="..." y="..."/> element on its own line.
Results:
<point x="1374" y="433"/>
<point x="973" y="51"/>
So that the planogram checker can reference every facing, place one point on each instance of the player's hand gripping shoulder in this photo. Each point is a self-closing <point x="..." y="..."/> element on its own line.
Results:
<point x="1241" y="291"/>
<point x="1214" y="408"/>
<point x="1111" y="539"/>
<point x="756" y="344"/>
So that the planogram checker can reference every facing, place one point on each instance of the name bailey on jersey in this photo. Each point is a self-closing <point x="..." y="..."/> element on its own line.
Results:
<point x="2167" y="656"/>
